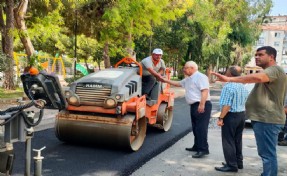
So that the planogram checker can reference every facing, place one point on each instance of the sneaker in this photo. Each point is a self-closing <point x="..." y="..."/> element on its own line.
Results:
<point x="282" y="143"/>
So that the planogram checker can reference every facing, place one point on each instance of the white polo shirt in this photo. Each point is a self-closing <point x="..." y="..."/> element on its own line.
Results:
<point x="193" y="86"/>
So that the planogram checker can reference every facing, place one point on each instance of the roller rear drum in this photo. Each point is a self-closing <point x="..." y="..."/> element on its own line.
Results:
<point x="123" y="132"/>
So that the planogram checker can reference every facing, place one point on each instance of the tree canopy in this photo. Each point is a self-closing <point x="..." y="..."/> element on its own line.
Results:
<point x="212" y="33"/>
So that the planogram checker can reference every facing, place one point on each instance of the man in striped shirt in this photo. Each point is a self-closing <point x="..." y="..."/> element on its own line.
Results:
<point x="232" y="121"/>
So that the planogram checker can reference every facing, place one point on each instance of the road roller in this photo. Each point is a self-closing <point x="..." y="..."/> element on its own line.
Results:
<point x="107" y="108"/>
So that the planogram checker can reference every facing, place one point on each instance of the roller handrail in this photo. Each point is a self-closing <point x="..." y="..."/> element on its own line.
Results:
<point x="130" y="60"/>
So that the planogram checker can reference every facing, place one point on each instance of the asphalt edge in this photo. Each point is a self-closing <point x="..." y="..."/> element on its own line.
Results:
<point x="154" y="153"/>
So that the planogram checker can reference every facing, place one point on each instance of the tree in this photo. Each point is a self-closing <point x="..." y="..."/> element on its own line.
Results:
<point x="7" y="27"/>
<point x="19" y="13"/>
<point x="227" y="26"/>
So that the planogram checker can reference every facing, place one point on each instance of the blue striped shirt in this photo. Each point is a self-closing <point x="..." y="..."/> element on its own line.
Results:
<point x="233" y="95"/>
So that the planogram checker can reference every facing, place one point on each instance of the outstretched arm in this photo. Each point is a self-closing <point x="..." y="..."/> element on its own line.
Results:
<point x="252" y="78"/>
<point x="155" y="74"/>
<point x="175" y="83"/>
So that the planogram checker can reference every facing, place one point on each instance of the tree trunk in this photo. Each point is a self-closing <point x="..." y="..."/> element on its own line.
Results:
<point x="19" y="14"/>
<point x="107" y="61"/>
<point x="129" y="48"/>
<point x="8" y="46"/>
<point x="2" y="28"/>
<point x="208" y="73"/>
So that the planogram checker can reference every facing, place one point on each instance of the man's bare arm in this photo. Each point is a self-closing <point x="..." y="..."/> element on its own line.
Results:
<point x="175" y="83"/>
<point x="155" y="74"/>
<point x="204" y="95"/>
<point x="225" y="109"/>
<point x="252" y="78"/>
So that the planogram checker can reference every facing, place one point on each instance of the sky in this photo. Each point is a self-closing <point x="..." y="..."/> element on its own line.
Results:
<point x="279" y="7"/>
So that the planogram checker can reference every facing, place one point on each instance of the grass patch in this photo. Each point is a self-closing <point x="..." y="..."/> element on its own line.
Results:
<point x="11" y="93"/>
<point x="174" y="78"/>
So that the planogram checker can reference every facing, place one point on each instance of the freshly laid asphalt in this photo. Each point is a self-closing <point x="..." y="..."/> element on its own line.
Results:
<point x="63" y="159"/>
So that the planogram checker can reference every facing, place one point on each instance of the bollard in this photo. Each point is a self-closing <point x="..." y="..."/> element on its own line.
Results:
<point x="29" y="135"/>
<point x="38" y="162"/>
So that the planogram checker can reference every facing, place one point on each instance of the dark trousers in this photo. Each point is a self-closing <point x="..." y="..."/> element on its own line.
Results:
<point x="283" y="132"/>
<point x="148" y="82"/>
<point x="231" y="133"/>
<point x="200" y="123"/>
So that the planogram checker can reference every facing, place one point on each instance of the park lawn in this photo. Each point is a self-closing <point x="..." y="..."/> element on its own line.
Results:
<point x="11" y="93"/>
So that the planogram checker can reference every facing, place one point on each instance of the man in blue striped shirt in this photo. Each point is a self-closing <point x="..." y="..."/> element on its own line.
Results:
<point x="232" y="121"/>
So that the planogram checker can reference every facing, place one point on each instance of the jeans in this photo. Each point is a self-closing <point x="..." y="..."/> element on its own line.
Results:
<point x="266" y="135"/>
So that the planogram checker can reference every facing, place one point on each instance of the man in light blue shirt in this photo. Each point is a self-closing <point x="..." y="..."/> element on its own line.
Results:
<point x="232" y="121"/>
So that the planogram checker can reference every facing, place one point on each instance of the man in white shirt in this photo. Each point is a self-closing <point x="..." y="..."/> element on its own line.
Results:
<point x="197" y="96"/>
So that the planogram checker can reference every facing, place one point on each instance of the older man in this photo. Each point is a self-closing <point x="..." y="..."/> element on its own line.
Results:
<point x="232" y="119"/>
<point x="197" y="96"/>
<point x="265" y="105"/>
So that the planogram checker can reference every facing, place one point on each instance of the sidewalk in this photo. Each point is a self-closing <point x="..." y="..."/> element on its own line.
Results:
<point x="176" y="161"/>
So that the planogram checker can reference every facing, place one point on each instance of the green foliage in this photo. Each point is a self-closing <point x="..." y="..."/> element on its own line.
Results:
<point x="73" y="79"/>
<point x="208" y="32"/>
<point x="34" y="61"/>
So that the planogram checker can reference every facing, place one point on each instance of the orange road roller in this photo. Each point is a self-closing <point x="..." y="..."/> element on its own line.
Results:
<point x="107" y="108"/>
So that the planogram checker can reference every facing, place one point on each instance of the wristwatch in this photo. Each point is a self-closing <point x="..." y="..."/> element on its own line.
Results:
<point x="219" y="118"/>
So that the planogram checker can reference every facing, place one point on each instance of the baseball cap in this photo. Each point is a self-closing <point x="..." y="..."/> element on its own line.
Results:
<point x="157" y="51"/>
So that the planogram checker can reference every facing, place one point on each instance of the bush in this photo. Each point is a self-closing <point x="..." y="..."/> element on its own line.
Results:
<point x="73" y="79"/>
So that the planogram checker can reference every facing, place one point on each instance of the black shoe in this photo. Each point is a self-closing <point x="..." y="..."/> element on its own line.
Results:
<point x="191" y="149"/>
<point x="200" y="154"/>
<point x="282" y="143"/>
<point x="226" y="169"/>
<point x="238" y="165"/>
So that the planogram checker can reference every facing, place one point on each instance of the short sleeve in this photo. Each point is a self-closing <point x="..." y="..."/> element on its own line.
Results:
<point x="182" y="82"/>
<point x="147" y="63"/>
<point x="202" y="82"/>
<point x="226" y="96"/>
<point x="273" y="73"/>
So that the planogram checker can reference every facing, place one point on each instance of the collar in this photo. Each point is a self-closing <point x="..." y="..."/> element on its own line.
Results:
<point x="154" y="61"/>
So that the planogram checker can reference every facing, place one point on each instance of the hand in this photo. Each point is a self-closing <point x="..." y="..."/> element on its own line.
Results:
<point x="221" y="77"/>
<point x="201" y="108"/>
<point x="165" y="80"/>
<point x="220" y="122"/>
<point x="160" y="78"/>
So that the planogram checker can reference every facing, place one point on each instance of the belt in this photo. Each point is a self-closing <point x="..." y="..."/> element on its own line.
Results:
<point x="199" y="102"/>
<point x="236" y="112"/>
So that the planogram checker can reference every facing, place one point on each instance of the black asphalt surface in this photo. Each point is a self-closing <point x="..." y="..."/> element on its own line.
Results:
<point x="62" y="159"/>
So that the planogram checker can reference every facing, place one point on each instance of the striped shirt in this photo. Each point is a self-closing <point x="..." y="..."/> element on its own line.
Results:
<point x="233" y="95"/>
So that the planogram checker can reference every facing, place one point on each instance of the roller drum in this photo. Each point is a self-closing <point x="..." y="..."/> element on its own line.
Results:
<point x="123" y="132"/>
<point x="164" y="117"/>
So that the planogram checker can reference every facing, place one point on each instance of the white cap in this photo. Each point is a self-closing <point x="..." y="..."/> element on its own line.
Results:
<point x="157" y="51"/>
